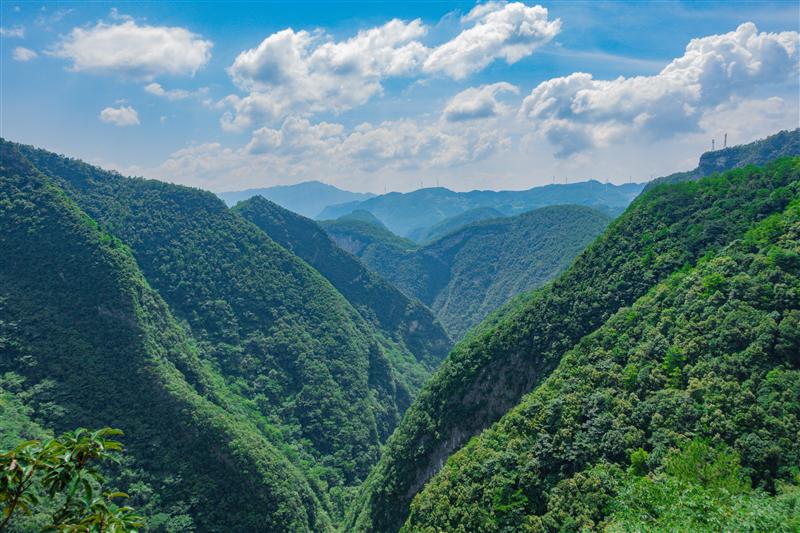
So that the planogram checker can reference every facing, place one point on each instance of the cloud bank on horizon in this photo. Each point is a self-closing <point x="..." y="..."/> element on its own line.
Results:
<point x="301" y="103"/>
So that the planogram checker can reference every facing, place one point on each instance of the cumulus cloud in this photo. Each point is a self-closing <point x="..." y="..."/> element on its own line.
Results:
<point x="24" y="54"/>
<point x="499" y="31"/>
<point x="478" y="102"/>
<point x="173" y="94"/>
<point x="293" y="72"/>
<point x="120" y="116"/>
<point x="302" y="149"/>
<point x="133" y="50"/>
<point x="16" y="31"/>
<point x="577" y="112"/>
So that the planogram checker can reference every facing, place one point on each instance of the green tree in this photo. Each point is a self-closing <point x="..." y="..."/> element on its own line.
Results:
<point x="65" y="470"/>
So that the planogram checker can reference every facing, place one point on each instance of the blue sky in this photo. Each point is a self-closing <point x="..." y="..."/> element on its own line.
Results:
<point x="381" y="96"/>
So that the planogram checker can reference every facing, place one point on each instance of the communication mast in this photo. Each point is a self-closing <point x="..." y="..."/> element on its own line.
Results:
<point x="725" y="142"/>
<point x="712" y="145"/>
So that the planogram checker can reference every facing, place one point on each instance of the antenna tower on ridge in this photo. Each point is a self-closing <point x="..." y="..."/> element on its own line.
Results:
<point x="725" y="142"/>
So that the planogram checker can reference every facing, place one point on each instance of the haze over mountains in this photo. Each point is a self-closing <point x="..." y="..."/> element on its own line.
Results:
<point x="308" y="198"/>
<point x="276" y="373"/>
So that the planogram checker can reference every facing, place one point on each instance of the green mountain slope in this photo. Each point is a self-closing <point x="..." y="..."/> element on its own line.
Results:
<point x="469" y="273"/>
<point x="402" y="319"/>
<point x="761" y="152"/>
<point x="286" y="342"/>
<point x="451" y="224"/>
<point x="404" y="213"/>
<point x="366" y="238"/>
<point x="487" y="374"/>
<point x="710" y="353"/>
<point x="308" y="198"/>
<point x="85" y="341"/>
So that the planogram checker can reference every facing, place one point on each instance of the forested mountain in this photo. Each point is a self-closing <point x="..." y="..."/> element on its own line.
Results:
<point x="761" y="152"/>
<point x="449" y="225"/>
<point x="663" y="234"/>
<point x="308" y="198"/>
<point x="711" y="354"/>
<point x="404" y="213"/>
<point x="466" y="274"/>
<point x="365" y="237"/>
<point x="405" y="320"/>
<point x="85" y="341"/>
<point x="301" y="365"/>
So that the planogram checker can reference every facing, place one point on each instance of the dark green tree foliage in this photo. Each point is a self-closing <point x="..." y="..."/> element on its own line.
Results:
<point x="97" y="346"/>
<point x="711" y="352"/>
<point x="663" y="231"/>
<point x="468" y="273"/>
<point x="280" y="334"/>
<point x="35" y="474"/>
<point x="405" y="320"/>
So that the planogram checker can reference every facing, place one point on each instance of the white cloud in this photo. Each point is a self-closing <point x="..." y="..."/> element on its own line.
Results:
<point x="577" y="112"/>
<point x="500" y="31"/>
<point x="16" y="31"/>
<point x="24" y="54"/>
<point x="173" y="94"/>
<point x="133" y="50"/>
<point x="301" y="72"/>
<point x="120" y="116"/>
<point x="478" y="102"/>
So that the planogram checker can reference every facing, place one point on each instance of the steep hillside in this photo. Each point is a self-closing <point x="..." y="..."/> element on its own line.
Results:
<point x="663" y="231"/>
<point x="712" y="353"/>
<point x="284" y="339"/>
<point x="402" y="319"/>
<point x="404" y="213"/>
<point x="86" y="342"/>
<point x="364" y="237"/>
<point x="469" y="273"/>
<point x="449" y="225"/>
<point x="308" y="198"/>
<point x="761" y="152"/>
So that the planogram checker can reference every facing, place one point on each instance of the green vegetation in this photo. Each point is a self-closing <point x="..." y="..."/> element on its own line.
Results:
<point x="37" y="474"/>
<point x="761" y="152"/>
<point x="407" y="214"/>
<point x="686" y="361"/>
<point x="283" y="338"/>
<point x="467" y="274"/>
<point x="400" y="318"/>
<point x="665" y="231"/>
<point x="86" y="342"/>
<point x="257" y="369"/>
<point x="449" y="225"/>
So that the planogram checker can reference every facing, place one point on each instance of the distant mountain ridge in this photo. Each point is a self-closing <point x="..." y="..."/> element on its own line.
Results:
<point x="466" y="274"/>
<point x="761" y="152"/>
<point x="308" y="198"/>
<point x="404" y="213"/>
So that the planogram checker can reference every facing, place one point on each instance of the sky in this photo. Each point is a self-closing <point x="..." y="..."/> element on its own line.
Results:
<point x="394" y="96"/>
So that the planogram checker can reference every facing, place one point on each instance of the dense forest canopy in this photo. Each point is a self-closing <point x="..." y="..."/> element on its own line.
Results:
<point x="665" y="230"/>
<point x="274" y="373"/>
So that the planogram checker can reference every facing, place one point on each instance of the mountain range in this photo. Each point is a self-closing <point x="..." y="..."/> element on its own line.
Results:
<point x="465" y="275"/>
<point x="411" y="214"/>
<point x="271" y="372"/>
<point x="308" y="198"/>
